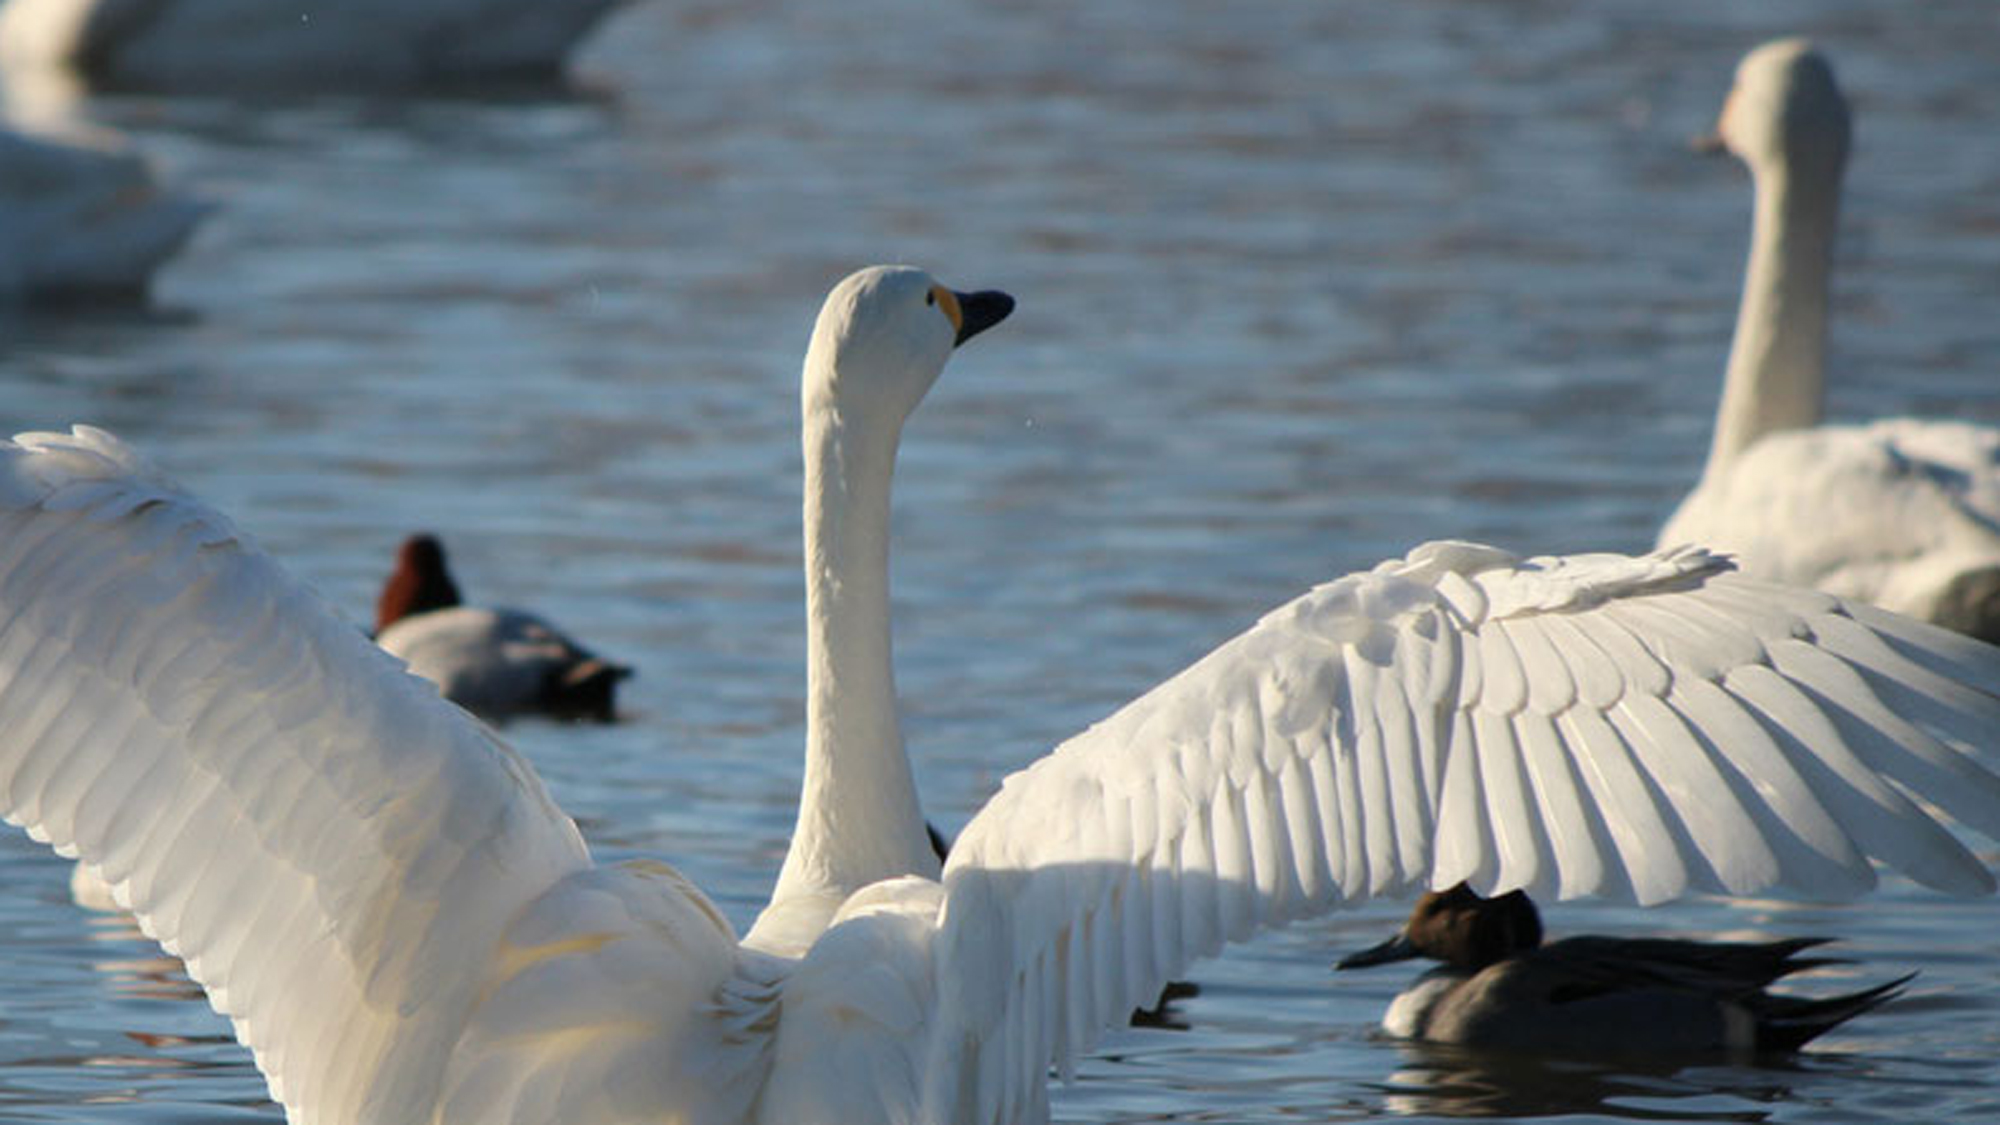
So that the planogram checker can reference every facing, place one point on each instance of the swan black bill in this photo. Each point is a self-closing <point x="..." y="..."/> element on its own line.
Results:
<point x="980" y="311"/>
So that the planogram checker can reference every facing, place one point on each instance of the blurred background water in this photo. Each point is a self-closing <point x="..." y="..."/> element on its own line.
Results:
<point x="1301" y="285"/>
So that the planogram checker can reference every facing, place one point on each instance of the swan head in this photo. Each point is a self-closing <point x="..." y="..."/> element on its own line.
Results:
<point x="1785" y="111"/>
<point x="883" y="337"/>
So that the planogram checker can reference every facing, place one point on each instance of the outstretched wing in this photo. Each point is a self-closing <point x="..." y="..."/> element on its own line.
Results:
<point x="1629" y="727"/>
<point x="331" y="847"/>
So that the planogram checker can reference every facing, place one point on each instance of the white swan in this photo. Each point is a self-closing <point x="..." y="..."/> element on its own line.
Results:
<point x="404" y="928"/>
<point x="497" y="662"/>
<point x="183" y="45"/>
<point x="1902" y="512"/>
<point x="83" y="220"/>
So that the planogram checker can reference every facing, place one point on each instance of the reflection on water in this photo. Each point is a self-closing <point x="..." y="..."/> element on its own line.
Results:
<point x="158" y="977"/>
<point x="1301" y="285"/>
<point x="1443" y="1081"/>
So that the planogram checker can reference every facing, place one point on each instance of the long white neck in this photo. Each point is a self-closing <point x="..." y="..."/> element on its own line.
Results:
<point x="1776" y="375"/>
<point x="859" y="820"/>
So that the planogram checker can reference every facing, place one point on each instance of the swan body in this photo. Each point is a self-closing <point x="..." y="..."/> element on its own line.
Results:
<point x="497" y="662"/>
<point x="1500" y="988"/>
<point x="210" y="45"/>
<point x="83" y="219"/>
<point x="1900" y="512"/>
<point x="404" y="928"/>
<point x="1904" y="513"/>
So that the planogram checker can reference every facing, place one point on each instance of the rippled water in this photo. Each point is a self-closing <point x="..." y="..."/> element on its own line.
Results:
<point x="1301" y="284"/>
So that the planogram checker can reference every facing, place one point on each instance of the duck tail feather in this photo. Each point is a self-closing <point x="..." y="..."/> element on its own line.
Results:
<point x="1786" y="1023"/>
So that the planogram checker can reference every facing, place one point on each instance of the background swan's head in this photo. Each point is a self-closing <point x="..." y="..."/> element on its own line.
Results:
<point x="883" y="337"/>
<point x="1785" y="110"/>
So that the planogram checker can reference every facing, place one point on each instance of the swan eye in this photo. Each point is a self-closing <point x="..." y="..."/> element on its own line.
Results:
<point x="944" y="298"/>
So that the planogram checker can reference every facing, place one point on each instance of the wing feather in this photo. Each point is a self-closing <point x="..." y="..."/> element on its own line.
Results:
<point x="1964" y="708"/>
<point x="1503" y="686"/>
<point x="1551" y="685"/>
<point x="1200" y="908"/>
<point x="328" y="844"/>
<point x="1138" y="964"/>
<point x="1866" y="805"/>
<point x="1954" y="656"/>
<point x="1166" y="921"/>
<point x="1575" y="838"/>
<point x="1264" y="823"/>
<point x="1517" y="838"/>
<point x="1636" y="727"/>
<point x="1897" y="748"/>
<point x="1319" y="771"/>
<point x="1347" y="794"/>
<point x="1466" y="849"/>
<point x="1806" y="836"/>
<point x="1735" y="858"/>
<point x="1362" y="730"/>
<point x="1308" y="857"/>
<point x="1076" y="982"/>
<point x="1237" y="894"/>
<point x="1645" y="845"/>
<point x="1403" y="733"/>
<point x="1639" y="673"/>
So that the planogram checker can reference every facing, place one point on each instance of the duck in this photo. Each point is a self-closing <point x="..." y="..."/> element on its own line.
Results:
<point x="230" y="46"/>
<point x="84" y="219"/>
<point x="403" y="926"/>
<point x="1499" y="987"/>
<point x="1901" y="512"/>
<point x="499" y="663"/>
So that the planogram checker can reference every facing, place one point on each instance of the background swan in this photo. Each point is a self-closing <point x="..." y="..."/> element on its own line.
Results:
<point x="404" y="928"/>
<point x="498" y="662"/>
<point x="1901" y="512"/>
<point x="82" y="219"/>
<point x="347" y="45"/>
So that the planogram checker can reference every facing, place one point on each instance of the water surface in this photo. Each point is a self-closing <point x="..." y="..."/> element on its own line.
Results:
<point x="1301" y="286"/>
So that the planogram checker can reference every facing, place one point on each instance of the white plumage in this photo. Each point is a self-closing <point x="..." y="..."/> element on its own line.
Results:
<point x="1903" y="513"/>
<point x="80" y="219"/>
<point x="180" y="45"/>
<point x="405" y="929"/>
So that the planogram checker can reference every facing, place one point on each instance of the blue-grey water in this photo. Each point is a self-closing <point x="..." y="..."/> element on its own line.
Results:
<point x="1301" y="285"/>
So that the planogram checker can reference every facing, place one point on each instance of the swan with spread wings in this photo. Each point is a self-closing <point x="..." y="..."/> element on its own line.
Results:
<point x="404" y="928"/>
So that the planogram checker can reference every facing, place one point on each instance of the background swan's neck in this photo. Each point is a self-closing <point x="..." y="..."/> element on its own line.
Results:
<point x="1776" y="362"/>
<point x="859" y="820"/>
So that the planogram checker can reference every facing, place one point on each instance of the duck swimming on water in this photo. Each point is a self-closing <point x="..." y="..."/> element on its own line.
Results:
<point x="1499" y="987"/>
<point x="496" y="662"/>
